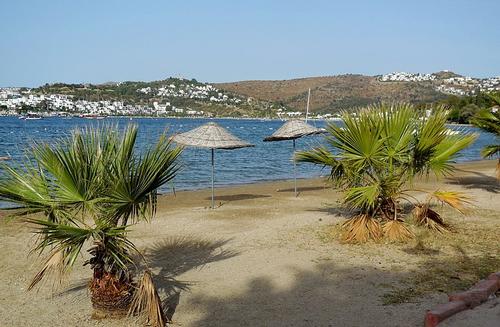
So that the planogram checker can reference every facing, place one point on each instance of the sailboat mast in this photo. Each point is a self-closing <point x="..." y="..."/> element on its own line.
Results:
<point x="308" y="98"/>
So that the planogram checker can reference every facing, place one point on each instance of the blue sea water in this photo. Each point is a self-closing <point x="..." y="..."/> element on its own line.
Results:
<point x="265" y="161"/>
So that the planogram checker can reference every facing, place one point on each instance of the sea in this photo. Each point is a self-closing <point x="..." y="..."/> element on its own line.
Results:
<point x="266" y="161"/>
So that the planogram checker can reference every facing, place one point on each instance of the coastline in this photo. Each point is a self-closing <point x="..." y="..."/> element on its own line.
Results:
<point x="212" y="118"/>
<point x="235" y="168"/>
<point x="483" y="164"/>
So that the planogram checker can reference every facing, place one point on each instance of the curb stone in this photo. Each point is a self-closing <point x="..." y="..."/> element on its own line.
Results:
<point x="458" y="302"/>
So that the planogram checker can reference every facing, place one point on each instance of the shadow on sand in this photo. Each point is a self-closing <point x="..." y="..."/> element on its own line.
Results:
<point x="331" y="294"/>
<point x="479" y="181"/>
<point x="335" y="210"/>
<point x="302" y="189"/>
<point x="317" y="297"/>
<point x="168" y="259"/>
<point x="171" y="257"/>
<point x="238" y="197"/>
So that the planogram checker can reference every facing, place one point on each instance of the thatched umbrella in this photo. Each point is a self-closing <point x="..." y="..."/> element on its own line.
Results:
<point x="292" y="130"/>
<point x="211" y="136"/>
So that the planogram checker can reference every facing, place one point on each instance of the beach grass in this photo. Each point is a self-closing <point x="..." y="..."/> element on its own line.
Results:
<point x="446" y="262"/>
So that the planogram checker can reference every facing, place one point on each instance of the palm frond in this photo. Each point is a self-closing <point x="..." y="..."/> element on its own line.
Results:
<point x="361" y="229"/>
<point x="487" y="121"/>
<point x="456" y="200"/>
<point x="360" y="143"/>
<point x="396" y="230"/>
<point x="76" y="165"/>
<point x="363" y="197"/>
<point x="490" y="121"/>
<point x="146" y="300"/>
<point x="26" y="187"/>
<point x="424" y="216"/>
<point x="446" y="151"/>
<point x="321" y="156"/>
<point x="490" y="151"/>
<point x="65" y="241"/>
<point x="133" y="195"/>
<point x="112" y="249"/>
<point x="430" y="132"/>
<point x="54" y="266"/>
<point x="494" y="97"/>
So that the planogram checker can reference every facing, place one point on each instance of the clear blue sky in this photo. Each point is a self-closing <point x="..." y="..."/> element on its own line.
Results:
<point x="99" y="41"/>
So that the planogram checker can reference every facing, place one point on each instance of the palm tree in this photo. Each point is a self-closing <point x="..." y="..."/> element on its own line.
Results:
<point x="84" y="193"/>
<point x="375" y="157"/>
<point x="489" y="121"/>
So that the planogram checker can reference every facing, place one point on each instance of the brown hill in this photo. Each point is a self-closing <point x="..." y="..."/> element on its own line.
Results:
<point x="333" y="93"/>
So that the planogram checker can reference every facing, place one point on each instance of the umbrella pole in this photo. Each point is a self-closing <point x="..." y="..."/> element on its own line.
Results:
<point x="213" y="206"/>
<point x="294" y="169"/>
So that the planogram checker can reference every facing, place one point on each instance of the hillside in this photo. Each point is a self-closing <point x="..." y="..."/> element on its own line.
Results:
<point x="172" y="96"/>
<point x="270" y="99"/>
<point x="333" y="93"/>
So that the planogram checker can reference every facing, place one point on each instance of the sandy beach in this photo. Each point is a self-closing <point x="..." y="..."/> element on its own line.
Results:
<point x="267" y="258"/>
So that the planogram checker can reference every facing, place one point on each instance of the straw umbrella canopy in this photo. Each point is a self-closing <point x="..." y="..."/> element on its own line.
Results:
<point x="211" y="136"/>
<point x="292" y="130"/>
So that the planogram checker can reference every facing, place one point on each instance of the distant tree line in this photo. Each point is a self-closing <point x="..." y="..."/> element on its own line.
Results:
<point x="464" y="108"/>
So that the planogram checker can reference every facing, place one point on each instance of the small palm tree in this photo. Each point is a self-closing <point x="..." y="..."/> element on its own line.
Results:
<point x="489" y="121"/>
<point x="375" y="157"/>
<point x="84" y="193"/>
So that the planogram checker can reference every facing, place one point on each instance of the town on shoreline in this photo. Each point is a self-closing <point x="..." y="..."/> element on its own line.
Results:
<point x="179" y="97"/>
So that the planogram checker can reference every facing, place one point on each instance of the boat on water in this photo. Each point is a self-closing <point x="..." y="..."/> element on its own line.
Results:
<point x="31" y="117"/>
<point x="92" y="116"/>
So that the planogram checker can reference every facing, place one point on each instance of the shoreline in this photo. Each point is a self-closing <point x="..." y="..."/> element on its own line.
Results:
<point x="212" y="118"/>
<point x="226" y="191"/>
<point x="472" y="164"/>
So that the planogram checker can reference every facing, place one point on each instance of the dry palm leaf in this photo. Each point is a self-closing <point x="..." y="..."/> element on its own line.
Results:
<point x="54" y="264"/>
<point x="424" y="216"/>
<point x="498" y="170"/>
<point x="396" y="230"/>
<point x="146" y="300"/>
<point x="361" y="228"/>
<point x="456" y="200"/>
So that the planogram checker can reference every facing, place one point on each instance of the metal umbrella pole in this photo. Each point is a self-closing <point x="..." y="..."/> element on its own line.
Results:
<point x="294" y="169"/>
<point x="213" y="164"/>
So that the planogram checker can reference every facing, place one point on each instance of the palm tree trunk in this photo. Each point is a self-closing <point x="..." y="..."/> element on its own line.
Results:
<point x="110" y="294"/>
<point x="110" y="291"/>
